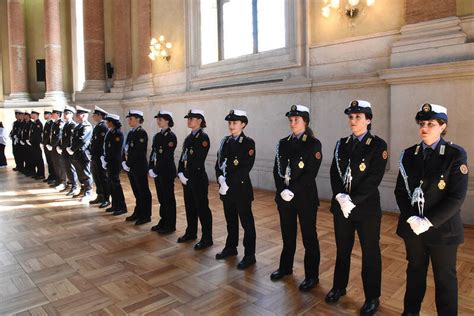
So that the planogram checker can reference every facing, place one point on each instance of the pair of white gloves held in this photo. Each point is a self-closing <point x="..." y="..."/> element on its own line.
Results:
<point x="419" y="225"/>
<point x="346" y="204"/>
<point x="223" y="185"/>
<point x="182" y="178"/>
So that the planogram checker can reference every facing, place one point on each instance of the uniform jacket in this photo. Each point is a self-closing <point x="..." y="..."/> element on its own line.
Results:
<point x="367" y="162"/>
<point x="136" y="144"/>
<point x="81" y="137"/>
<point x="113" y="148"/>
<point x="56" y="132"/>
<point x="36" y="131"/>
<point x="303" y="156"/>
<point x="239" y="157"/>
<point x="193" y="156"/>
<point x="98" y="137"/>
<point x="162" y="153"/>
<point x="445" y="180"/>
<point x="47" y="132"/>
<point x="66" y="138"/>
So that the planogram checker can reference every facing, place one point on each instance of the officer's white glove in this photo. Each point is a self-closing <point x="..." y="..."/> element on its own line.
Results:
<point x="419" y="225"/>
<point x="69" y="151"/>
<point x="59" y="150"/>
<point x="182" y="178"/>
<point x="125" y="167"/>
<point x="223" y="185"/>
<point x="104" y="163"/>
<point x="15" y="141"/>
<point x="287" y="195"/>
<point x="346" y="204"/>
<point x="49" y="147"/>
<point x="28" y="142"/>
<point x="21" y="142"/>
<point x="88" y="154"/>
<point x="152" y="174"/>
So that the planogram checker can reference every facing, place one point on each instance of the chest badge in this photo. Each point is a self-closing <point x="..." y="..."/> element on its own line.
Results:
<point x="160" y="151"/>
<point x="236" y="162"/>
<point x="191" y="151"/>
<point x="301" y="165"/>
<point x="362" y="166"/>
<point x="441" y="184"/>
<point x="131" y="144"/>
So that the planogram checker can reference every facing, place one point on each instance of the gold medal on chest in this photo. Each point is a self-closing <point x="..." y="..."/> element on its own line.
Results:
<point x="236" y="162"/>
<point x="441" y="184"/>
<point x="191" y="151"/>
<point x="362" y="167"/>
<point x="301" y="165"/>
<point x="160" y="151"/>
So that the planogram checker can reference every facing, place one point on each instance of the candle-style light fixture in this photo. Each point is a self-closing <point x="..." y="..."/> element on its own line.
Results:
<point x="351" y="9"/>
<point x="160" y="48"/>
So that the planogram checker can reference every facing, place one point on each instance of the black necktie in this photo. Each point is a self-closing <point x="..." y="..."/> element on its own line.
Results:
<point x="427" y="153"/>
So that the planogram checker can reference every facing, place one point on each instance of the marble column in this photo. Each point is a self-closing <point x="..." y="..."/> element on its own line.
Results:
<point x="422" y="10"/>
<point x="52" y="47"/>
<point x="144" y="36"/>
<point x="17" y="51"/>
<point x="122" y="42"/>
<point x="94" y="47"/>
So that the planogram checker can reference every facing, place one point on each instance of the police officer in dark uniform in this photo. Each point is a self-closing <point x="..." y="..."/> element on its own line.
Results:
<point x="47" y="141"/>
<point x="81" y="139"/>
<point x="431" y="187"/>
<point x="193" y="176"/>
<point x="163" y="170"/>
<point x="112" y="163"/>
<point x="136" y="164"/>
<point x="55" y="148"/>
<point x="15" y="137"/>
<point x="357" y="169"/>
<point x="235" y="159"/>
<point x="36" y="133"/>
<point x="96" y="151"/>
<point x="297" y="161"/>
<point x="26" y="145"/>
<point x="66" y="140"/>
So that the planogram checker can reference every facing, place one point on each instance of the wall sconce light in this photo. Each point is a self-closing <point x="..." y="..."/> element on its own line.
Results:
<point x="351" y="9"/>
<point x="160" y="48"/>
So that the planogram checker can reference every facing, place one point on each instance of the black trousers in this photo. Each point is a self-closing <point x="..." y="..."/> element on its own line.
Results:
<point x="164" y="185"/>
<point x="196" y="204"/>
<point x="16" y="156"/>
<point x="139" y="181"/>
<point x="288" y="224"/>
<point x="368" y="231"/>
<point x="443" y="260"/>
<point x="99" y="175"/>
<point x="71" y="172"/>
<point x="233" y="210"/>
<point x="29" y="160"/>
<point x="3" y="159"/>
<point x="82" y="164"/>
<point x="21" y="157"/>
<point x="49" y="160"/>
<point x="59" y="167"/>
<point x="37" y="159"/>
<point x="116" y="191"/>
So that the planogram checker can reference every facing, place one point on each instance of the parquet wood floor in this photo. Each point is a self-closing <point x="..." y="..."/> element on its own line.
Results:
<point x="58" y="256"/>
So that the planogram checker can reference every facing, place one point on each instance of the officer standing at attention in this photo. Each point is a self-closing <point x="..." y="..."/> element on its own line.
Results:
<point x="297" y="161"/>
<point x="55" y="148"/>
<point x="47" y="141"/>
<point x="96" y="151"/>
<point x="66" y="139"/>
<point x="136" y="164"/>
<point x="431" y="187"/>
<point x="81" y="139"/>
<point x="235" y="160"/>
<point x="357" y="169"/>
<point x="15" y="137"/>
<point x="36" y="132"/>
<point x="193" y="176"/>
<point x="163" y="170"/>
<point x="26" y="145"/>
<point x="112" y="163"/>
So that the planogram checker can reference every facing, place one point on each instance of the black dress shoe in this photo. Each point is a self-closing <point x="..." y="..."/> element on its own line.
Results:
<point x="308" y="284"/>
<point x="110" y="209"/>
<point x="157" y="227"/>
<point x="119" y="212"/>
<point x="225" y="253"/>
<point x="72" y="192"/>
<point x="104" y="204"/>
<point x="142" y="221"/>
<point x="370" y="307"/>
<point x="15" y="169"/>
<point x="186" y="238"/>
<point x="132" y="218"/>
<point x="246" y="262"/>
<point x="166" y="230"/>
<point x="97" y="200"/>
<point x="334" y="295"/>
<point x="278" y="274"/>
<point x="203" y="244"/>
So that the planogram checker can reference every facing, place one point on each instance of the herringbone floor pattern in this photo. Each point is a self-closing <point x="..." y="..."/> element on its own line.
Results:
<point x="60" y="257"/>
